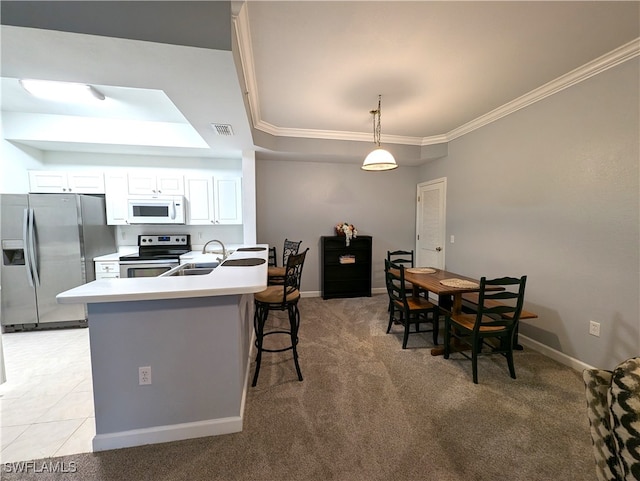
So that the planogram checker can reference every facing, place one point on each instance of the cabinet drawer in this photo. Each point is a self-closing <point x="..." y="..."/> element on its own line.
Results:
<point x="107" y="267"/>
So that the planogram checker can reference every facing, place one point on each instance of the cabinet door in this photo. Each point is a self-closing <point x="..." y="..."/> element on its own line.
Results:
<point x="199" y="194"/>
<point x="86" y="182"/>
<point x="47" y="182"/>
<point x="228" y="200"/>
<point x="170" y="184"/>
<point x="116" y="192"/>
<point x="142" y="184"/>
<point x="59" y="182"/>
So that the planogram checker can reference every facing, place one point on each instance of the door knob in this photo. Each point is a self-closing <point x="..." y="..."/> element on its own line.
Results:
<point x="438" y="249"/>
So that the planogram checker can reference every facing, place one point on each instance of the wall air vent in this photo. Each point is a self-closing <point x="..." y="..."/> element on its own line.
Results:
<point x="222" y="129"/>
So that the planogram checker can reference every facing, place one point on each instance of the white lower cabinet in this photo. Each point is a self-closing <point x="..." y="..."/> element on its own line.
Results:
<point x="107" y="270"/>
<point x="213" y="200"/>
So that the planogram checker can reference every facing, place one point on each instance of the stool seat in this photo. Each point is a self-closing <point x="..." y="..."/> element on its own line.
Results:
<point x="273" y="295"/>
<point x="275" y="271"/>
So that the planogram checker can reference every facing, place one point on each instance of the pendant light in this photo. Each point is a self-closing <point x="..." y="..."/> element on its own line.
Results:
<point x="378" y="159"/>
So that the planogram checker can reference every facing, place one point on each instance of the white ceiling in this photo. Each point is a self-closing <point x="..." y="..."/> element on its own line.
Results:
<point x="314" y="70"/>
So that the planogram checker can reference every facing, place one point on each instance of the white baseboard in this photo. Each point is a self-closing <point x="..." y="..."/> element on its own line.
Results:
<point x="163" y="434"/>
<point x="553" y="354"/>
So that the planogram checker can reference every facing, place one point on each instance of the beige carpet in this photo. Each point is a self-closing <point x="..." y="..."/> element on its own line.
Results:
<point x="369" y="411"/>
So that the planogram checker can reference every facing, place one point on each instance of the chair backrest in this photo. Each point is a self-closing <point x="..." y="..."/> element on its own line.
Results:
<point x="273" y="257"/>
<point x="508" y="301"/>
<point x="401" y="257"/>
<point x="293" y="273"/>
<point x="290" y="247"/>
<point x="394" y="277"/>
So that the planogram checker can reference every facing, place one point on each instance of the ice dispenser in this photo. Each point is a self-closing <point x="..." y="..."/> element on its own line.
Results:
<point x="13" y="252"/>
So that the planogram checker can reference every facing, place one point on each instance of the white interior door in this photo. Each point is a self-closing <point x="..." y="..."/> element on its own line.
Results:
<point x="430" y="223"/>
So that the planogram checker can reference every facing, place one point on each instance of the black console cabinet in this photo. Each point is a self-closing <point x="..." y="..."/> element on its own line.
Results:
<point x="346" y="270"/>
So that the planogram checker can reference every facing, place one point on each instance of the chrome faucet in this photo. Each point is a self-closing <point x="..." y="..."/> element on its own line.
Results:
<point x="224" y="250"/>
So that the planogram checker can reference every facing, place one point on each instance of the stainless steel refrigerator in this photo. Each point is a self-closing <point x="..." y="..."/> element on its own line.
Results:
<point x="48" y="244"/>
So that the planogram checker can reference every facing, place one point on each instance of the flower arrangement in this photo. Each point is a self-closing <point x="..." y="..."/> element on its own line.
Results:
<point x="347" y="230"/>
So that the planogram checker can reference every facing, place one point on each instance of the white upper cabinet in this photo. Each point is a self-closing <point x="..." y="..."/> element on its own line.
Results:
<point x="161" y="184"/>
<point x="228" y="200"/>
<point x="199" y="194"/>
<point x="62" y="182"/>
<point x="213" y="200"/>
<point x="116" y="198"/>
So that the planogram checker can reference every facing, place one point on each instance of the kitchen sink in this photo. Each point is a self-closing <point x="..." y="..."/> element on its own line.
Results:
<point x="198" y="271"/>
<point x="192" y="269"/>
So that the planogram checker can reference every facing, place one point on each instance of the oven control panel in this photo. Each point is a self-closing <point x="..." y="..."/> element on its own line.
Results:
<point x="164" y="240"/>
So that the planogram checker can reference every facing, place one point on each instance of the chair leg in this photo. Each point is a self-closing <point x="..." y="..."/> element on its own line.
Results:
<point x="436" y="325"/>
<point x="391" y="316"/>
<point x="259" y="319"/>
<point x="512" y="369"/>
<point x="447" y="337"/>
<point x="407" y="328"/>
<point x="294" y="322"/>
<point x="474" y="361"/>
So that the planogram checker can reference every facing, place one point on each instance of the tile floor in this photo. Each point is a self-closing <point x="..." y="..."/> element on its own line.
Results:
<point x="46" y="405"/>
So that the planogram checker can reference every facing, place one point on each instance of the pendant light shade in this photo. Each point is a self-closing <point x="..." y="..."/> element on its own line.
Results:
<point x="378" y="159"/>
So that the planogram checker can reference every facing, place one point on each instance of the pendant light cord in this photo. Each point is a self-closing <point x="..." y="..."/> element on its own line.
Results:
<point x="376" y="123"/>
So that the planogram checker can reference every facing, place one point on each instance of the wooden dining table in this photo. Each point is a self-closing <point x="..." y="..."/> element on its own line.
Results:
<point x="449" y="298"/>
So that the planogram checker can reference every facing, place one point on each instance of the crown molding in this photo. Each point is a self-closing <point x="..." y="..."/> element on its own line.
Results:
<point x="241" y="21"/>
<point x="599" y="65"/>
<point x="335" y="135"/>
<point x="241" y="27"/>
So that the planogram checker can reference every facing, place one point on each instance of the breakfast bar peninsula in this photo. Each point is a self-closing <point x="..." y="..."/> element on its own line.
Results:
<point x="170" y="354"/>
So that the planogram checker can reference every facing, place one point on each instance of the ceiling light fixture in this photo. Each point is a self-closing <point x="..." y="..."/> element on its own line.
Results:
<point x="61" y="91"/>
<point x="378" y="159"/>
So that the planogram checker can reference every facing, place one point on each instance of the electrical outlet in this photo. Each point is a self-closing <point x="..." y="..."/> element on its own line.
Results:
<point x="144" y="375"/>
<point x="452" y="239"/>
<point x="594" y="328"/>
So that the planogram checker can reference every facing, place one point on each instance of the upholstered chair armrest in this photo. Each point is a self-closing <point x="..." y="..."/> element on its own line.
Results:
<point x="597" y="384"/>
<point x="624" y="403"/>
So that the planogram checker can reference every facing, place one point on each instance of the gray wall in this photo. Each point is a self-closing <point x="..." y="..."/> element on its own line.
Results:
<point x="552" y="191"/>
<point x="305" y="200"/>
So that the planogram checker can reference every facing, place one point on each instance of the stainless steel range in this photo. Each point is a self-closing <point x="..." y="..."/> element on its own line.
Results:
<point x="156" y="254"/>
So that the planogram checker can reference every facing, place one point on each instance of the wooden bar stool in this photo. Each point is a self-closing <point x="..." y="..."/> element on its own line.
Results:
<point x="276" y="273"/>
<point x="282" y="297"/>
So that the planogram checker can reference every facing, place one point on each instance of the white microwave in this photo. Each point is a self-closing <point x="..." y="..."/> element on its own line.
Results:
<point x="167" y="209"/>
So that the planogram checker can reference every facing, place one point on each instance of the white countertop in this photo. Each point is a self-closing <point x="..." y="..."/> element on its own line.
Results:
<point x="223" y="280"/>
<point x="115" y="256"/>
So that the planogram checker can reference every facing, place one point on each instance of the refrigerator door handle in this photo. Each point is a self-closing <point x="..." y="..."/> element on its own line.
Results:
<point x="25" y="246"/>
<point x="33" y="255"/>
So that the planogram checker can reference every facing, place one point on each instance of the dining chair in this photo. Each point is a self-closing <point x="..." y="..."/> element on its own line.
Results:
<point x="412" y="309"/>
<point x="282" y="297"/>
<point x="275" y="274"/>
<point x="401" y="257"/>
<point x="496" y="319"/>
